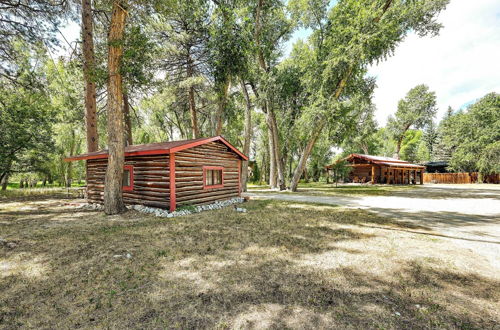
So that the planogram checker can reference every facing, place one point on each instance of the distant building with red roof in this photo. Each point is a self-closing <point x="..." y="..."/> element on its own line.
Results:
<point x="378" y="169"/>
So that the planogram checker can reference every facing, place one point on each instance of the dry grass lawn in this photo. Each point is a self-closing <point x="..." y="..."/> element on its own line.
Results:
<point x="281" y="265"/>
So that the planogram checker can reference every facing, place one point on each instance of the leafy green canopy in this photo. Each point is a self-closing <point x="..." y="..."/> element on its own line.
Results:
<point x="360" y="33"/>
<point x="29" y="21"/>
<point x="25" y="112"/>
<point x="473" y="136"/>
<point x="416" y="110"/>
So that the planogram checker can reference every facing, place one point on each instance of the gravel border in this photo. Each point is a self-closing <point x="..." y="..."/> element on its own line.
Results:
<point x="166" y="214"/>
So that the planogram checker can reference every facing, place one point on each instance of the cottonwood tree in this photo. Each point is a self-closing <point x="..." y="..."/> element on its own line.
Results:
<point x="247" y="134"/>
<point x="416" y="110"/>
<point x="411" y="143"/>
<point x="287" y="94"/>
<point x="229" y="45"/>
<point x="355" y="35"/>
<point x="363" y="139"/>
<point x="271" y="27"/>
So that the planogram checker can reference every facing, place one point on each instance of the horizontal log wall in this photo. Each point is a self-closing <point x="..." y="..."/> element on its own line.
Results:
<point x="385" y="174"/>
<point x="189" y="174"/>
<point x="151" y="183"/>
<point x="360" y="172"/>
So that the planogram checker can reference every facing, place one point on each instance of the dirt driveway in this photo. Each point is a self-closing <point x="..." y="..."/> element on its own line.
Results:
<point x="467" y="215"/>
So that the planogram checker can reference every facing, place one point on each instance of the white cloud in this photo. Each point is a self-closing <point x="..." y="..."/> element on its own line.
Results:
<point x="461" y="64"/>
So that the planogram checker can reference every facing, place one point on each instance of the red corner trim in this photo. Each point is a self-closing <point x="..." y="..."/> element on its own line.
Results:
<point x="131" y="178"/>
<point x="205" y="169"/>
<point x="173" y="202"/>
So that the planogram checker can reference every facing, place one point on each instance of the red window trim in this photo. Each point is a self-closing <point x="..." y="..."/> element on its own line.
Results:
<point x="131" y="178"/>
<point x="205" y="169"/>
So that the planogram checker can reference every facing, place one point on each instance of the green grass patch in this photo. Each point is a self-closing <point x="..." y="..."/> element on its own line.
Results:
<point x="315" y="188"/>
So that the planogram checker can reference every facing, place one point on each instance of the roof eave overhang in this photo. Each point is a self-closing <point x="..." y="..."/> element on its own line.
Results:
<point x="132" y="153"/>
<point x="163" y="151"/>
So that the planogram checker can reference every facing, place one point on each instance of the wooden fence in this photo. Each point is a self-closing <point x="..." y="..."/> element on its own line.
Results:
<point x="459" y="178"/>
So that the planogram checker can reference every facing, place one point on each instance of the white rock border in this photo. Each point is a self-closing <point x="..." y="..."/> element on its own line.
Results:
<point x="165" y="214"/>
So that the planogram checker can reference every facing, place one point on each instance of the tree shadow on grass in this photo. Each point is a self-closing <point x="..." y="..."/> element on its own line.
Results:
<point x="227" y="269"/>
<point x="276" y="294"/>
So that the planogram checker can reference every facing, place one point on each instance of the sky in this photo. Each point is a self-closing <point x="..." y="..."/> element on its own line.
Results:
<point x="460" y="65"/>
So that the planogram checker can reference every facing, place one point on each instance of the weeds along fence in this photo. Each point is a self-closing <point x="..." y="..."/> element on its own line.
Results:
<point x="459" y="178"/>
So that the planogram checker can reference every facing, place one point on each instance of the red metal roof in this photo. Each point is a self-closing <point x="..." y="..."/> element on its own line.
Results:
<point x="159" y="148"/>
<point x="376" y="158"/>
<point x="405" y="164"/>
<point x="387" y="161"/>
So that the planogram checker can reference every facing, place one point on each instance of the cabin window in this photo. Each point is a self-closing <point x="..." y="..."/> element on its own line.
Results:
<point x="128" y="178"/>
<point x="213" y="177"/>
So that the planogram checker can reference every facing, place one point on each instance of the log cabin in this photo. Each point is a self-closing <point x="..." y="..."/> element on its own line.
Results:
<point x="171" y="174"/>
<point x="377" y="169"/>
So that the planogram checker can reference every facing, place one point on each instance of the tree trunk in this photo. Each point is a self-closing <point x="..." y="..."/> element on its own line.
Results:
<point x="398" y="148"/>
<point x="248" y="137"/>
<point x="317" y="128"/>
<point x="128" y="120"/>
<point x="270" y="138"/>
<point x="221" y="105"/>
<point x="321" y="123"/>
<point x="113" y="199"/>
<point x="400" y="141"/>
<point x="69" y="168"/>
<point x="263" y="167"/>
<point x="364" y="147"/>
<point x="88" y="73"/>
<point x="272" y="160"/>
<point x="192" y="104"/>
<point x="5" y="182"/>
<point x="276" y="165"/>
<point x="69" y="175"/>
<point x="277" y="152"/>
